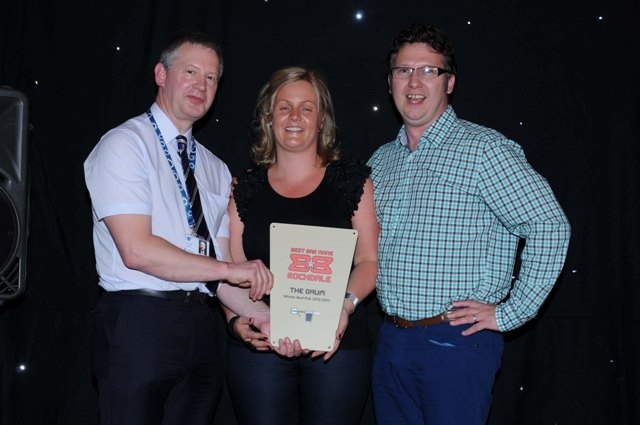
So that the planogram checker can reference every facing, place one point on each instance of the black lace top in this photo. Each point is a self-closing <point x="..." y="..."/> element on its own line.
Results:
<point x="331" y="204"/>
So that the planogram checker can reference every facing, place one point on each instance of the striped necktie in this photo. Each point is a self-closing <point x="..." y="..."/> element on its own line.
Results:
<point x="192" y="190"/>
<point x="201" y="228"/>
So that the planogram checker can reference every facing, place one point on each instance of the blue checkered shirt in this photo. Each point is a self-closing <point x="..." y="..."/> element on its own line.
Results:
<point x="452" y="213"/>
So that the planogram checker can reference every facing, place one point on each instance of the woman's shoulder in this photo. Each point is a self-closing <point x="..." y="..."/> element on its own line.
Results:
<point x="347" y="177"/>
<point x="251" y="177"/>
<point x="246" y="185"/>
<point x="348" y="169"/>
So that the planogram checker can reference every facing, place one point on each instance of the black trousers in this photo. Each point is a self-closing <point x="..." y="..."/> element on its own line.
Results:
<point x="156" y="361"/>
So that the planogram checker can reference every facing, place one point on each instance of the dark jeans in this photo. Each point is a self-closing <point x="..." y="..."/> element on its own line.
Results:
<point x="269" y="390"/>
<point x="433" y="375"/>
<point x="156" y="361"/>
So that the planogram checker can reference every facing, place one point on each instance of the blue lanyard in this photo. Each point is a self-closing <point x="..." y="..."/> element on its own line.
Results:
<point x="192" y="166"/>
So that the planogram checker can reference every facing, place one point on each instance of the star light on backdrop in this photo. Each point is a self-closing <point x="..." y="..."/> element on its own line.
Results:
<point x="380" y="108"/>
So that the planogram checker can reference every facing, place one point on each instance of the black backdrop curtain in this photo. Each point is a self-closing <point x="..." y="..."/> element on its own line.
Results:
<point x="559" y="77"/>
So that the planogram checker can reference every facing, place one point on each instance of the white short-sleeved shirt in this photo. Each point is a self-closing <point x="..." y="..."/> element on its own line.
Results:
<point x="128" y="173"/>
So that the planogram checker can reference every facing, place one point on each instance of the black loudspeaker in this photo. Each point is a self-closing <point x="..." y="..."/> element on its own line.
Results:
<point x="14" y="193"/>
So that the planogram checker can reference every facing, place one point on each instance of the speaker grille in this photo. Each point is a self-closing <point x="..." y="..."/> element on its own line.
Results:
<point x="9" y="240"/>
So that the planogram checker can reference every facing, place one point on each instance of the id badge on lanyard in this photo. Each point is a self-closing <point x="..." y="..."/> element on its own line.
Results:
<point x="197" y="245"/>
<point x="194" y="243"/>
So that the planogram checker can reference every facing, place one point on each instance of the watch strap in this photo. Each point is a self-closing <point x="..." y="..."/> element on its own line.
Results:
<point x="349" y="296"/>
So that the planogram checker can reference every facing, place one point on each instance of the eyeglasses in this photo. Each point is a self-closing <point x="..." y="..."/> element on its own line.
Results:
<point x="426" y="72"/>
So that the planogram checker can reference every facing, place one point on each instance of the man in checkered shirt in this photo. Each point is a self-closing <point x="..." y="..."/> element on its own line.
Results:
<point x="453" y="200"/>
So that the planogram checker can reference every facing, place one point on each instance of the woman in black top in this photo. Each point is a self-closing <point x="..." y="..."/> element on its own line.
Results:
<point x="300" y="179"/>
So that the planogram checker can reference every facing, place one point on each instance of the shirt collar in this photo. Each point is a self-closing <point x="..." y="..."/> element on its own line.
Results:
<point x="168" y="130"/>
<point x="435" y="134"/>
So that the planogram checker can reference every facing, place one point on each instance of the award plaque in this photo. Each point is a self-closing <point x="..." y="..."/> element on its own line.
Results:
<point x="311" y="266"/>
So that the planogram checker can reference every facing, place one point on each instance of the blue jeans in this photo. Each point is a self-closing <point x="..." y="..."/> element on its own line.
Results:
<point x="434" y="376"/>
<point x="267" y="389"/>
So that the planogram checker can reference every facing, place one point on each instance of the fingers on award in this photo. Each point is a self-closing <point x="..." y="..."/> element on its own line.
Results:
<point x="311" y="266"/>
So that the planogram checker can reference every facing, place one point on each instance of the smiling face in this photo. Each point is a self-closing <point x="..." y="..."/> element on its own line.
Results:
<point x="420" y="101"/>
<point x="295" y="117"/>
<point x="188" y="87"/>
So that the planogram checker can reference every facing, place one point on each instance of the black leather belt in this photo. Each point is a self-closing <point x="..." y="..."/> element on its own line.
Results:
<point x="186" y="297"/>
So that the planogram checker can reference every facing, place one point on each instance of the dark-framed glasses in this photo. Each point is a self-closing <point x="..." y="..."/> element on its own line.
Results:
<point x="426" y="72"/>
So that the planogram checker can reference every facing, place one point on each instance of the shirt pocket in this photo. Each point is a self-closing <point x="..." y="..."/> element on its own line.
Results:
<point x="214" y="208"/>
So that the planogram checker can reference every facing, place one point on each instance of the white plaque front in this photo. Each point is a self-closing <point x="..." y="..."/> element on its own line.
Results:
<point x="311" y="267"/>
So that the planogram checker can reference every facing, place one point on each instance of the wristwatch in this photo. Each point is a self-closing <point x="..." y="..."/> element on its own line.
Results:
<point x="349" y="296"/>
